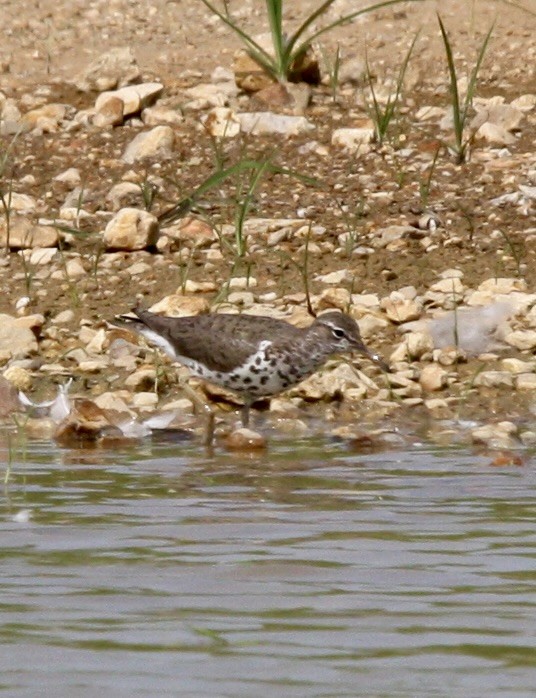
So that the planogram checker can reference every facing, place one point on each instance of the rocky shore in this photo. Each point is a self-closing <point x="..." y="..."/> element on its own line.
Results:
<point x="434" y="259"/>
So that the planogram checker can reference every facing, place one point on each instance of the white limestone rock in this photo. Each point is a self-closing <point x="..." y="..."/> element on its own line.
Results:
<point x="131" y="229"/>
<point x="156" y="143"/>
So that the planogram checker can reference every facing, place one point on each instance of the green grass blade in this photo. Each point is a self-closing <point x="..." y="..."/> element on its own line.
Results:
<point x="376" y="110"/>
<point x="275" y="20"/>
<point x="518" y="6"/>
<point x="258" y="53"/>
<point x="455" y="96"/>
<point x="342" y="20"/>
<point x="383" y="115"/>
<point x="404" y="67"/>
<point x="185" y="205"/>
<point x="182" y="207"/>
<point x="472" y="81"/>
<point x="307" y="23"/>
<point x="244" y="207"/>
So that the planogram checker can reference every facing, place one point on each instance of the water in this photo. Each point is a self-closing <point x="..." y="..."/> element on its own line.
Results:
<point x="307" y="572"/>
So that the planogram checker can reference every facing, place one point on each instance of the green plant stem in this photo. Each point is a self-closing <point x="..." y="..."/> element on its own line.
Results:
<point x="460" y="109"/>
<point x="288" y="51"/>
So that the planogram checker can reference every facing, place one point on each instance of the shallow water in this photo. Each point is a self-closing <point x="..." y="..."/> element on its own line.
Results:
<point x="308" y="571"/>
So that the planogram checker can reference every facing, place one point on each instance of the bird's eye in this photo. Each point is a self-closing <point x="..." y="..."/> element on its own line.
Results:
<point x="338" y="334"/>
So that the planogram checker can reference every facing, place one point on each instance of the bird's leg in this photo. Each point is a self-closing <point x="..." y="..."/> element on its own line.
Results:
<point x="245" y="414"/>
<point x="211" y="417"/>
<point x="209" y="433"/>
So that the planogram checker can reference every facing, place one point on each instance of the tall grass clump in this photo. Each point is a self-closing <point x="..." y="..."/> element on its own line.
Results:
<point x="382" y="113"/>
<point x="6" y="190"/>
<point x="287" y="50"/>
<point x="461" y="106"/>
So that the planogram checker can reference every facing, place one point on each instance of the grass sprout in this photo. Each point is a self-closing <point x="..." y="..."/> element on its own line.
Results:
<point x="333" y="68"/>
<point x="185" y="205"/>
<point x="461" y="106"/>
<point x="6" y="193"/>
<point x="287" y="50"/>
<point x="425" y="182"/>
<point x="303" y="269"/>
<point x="380" y="113"/>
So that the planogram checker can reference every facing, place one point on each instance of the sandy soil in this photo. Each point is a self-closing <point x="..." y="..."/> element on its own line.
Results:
<point x="46" y="43"/>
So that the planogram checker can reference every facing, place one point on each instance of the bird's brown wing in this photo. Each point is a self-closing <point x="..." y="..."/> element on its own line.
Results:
<point x="220" y="341"/>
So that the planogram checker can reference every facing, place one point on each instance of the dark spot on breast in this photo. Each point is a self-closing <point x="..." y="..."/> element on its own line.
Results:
<point x="246" y="380"/>
<point x="273" y="362"/>
<point x="264" y="380"/>
<point x="258" y="360"/>
<point x="255" y="370"/>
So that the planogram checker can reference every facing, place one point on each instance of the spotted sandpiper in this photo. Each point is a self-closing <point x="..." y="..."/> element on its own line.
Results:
<point x="252" y="355"/>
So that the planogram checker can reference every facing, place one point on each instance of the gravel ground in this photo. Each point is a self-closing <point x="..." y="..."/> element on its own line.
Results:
<point x="387" y="230"/>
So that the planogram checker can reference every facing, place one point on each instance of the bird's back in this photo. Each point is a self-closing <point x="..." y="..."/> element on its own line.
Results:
<point x="220" y="341"/>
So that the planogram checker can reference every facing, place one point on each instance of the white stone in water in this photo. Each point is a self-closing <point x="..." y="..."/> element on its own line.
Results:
<point x="500" y="435"/>
<point x="144" y="400"/>
<point x="433" y="377"/>
<point x="163" y="419"/>
<point x="22" y="516"/>
<point x="528" y="438"/>
<point x="142" y="377"/>
<point x="244" y="439"/>
<point x="436" y="404"/>
<point x="113" y="401"/>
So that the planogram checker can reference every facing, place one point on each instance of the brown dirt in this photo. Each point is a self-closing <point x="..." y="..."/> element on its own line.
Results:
<point x="48" y="42"/>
